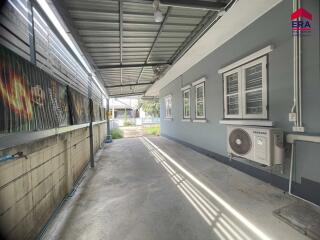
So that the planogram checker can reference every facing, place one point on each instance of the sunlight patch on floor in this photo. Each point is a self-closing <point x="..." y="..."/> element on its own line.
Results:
<point x="216" y="212"/>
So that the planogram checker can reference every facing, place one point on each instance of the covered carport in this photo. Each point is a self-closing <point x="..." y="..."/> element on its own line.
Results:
<point x="222" y="71"/>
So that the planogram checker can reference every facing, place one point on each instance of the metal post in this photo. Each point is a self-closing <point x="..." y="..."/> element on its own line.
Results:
<point x="108" y="120"/>
<point x="91" y="133"/>
<point x="121" y="39"/>
<point x="291" y="168"/>
<point x="91" y="119"/>
<point x="32" y="44"/>
<point x="112" y="111"/>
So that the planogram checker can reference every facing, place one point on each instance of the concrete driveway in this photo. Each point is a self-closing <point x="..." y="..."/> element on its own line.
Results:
<point x="156" y="189"/>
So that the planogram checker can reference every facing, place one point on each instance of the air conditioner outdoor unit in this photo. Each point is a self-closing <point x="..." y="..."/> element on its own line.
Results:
<point x="258" y="144"/>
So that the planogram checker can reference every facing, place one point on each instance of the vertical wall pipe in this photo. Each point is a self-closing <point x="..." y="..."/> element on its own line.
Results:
<point x="299" y="73"/>
<point x="293" y="109"/>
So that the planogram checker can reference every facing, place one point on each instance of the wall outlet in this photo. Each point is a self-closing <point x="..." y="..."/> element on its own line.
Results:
<point x="292" y="117"/>
<point x="298" y="129"/>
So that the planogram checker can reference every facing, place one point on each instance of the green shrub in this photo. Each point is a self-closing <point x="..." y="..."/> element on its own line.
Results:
<point x="127" y="124"/>
<point x="152" y="130"/>
<point x="116" y="133"/>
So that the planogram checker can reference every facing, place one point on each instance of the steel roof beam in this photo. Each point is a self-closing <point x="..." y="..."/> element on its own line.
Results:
<point x="208" y="19"/>
<point x="102" y="67"/>
<point x="128" y="94"/>
<point x="127" y="13"/>
<point x="215" y="6"/>
<point x="80" y="22"/>
<point x="155" y="40"/>
<point x="129" y="85"/>
<point x="197" y="34"/>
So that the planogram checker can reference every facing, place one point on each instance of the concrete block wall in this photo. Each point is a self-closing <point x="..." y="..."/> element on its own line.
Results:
<point x="31" y="189"/>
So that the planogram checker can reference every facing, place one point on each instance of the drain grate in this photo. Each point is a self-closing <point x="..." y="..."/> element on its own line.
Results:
<point x="303" y="217"/>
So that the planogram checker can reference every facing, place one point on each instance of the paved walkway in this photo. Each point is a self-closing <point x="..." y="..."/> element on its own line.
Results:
<point x="156" y="189"/>
<point x="132" y="131"/>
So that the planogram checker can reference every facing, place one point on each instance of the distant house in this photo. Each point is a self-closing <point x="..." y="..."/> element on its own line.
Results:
<point x="124" y="108"/>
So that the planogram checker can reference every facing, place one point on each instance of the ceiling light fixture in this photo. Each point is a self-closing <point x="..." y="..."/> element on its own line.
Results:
<point x="158" y="17"/>
<point x="221" y="13"/>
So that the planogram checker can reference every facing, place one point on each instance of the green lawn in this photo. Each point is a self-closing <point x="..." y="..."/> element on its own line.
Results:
<point x="116" y="133"/>
<point x="152" y="129"/>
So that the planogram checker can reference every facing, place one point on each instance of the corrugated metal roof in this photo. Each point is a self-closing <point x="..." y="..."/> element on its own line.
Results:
<point x="124" y="32"/>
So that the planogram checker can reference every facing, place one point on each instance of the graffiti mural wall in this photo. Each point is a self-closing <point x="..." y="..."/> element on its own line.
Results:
<point x="28" y="96"/>
<point x="79" y="107"/>
<point x="59" y="100"/>
<point x="32" y="100"/>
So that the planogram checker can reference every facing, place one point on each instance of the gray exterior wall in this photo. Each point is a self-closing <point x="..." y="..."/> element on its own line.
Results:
<point x="272" y="28"/>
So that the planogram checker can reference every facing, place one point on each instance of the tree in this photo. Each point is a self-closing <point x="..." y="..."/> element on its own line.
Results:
<point x="151" y="107"/>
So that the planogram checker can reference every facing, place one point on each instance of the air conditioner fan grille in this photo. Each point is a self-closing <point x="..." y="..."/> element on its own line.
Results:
<point x="239" y="141"/>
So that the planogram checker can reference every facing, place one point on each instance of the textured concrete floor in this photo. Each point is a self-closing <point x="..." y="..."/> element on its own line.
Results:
<point x="132" y="131"/>
<point x="156" y="189"/>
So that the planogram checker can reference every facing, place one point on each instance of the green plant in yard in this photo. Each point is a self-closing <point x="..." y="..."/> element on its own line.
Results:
<point x="116" y="133"/>
<point x="152" y="130"/>
<point x="125" y="115"/>
<point x="127" y="124"/>
<point x="126" y="121"/>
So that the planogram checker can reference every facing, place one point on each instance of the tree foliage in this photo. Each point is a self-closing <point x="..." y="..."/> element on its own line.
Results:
<point x="151" y="107"/>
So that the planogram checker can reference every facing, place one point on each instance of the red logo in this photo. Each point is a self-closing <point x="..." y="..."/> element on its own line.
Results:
<point x="301" y="21"/>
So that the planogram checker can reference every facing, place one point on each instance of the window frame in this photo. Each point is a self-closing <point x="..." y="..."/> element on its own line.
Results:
<point x="264" y="114"/>
<point x="166" y="103"/>
<point x="225" y="94"/>
<point x="183" y="103"/>
<point x="202" y="84"/>
<point x="242" y="90"/>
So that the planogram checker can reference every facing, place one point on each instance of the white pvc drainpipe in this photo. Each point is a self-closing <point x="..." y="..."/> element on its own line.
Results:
<point x="293" y="109"/>
<point x="297" y="76"/>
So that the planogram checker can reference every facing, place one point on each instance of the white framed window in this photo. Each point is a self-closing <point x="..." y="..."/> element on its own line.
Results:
<point x="232" y="94"/>
<point x="168" y="106"/>
<point x="245" y="91"/>
<point x="186" y="103"/>
<point x="200" y="101"/>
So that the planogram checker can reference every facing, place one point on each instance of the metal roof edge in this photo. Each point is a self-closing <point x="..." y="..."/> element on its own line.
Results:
<point x="216" y="36"/>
